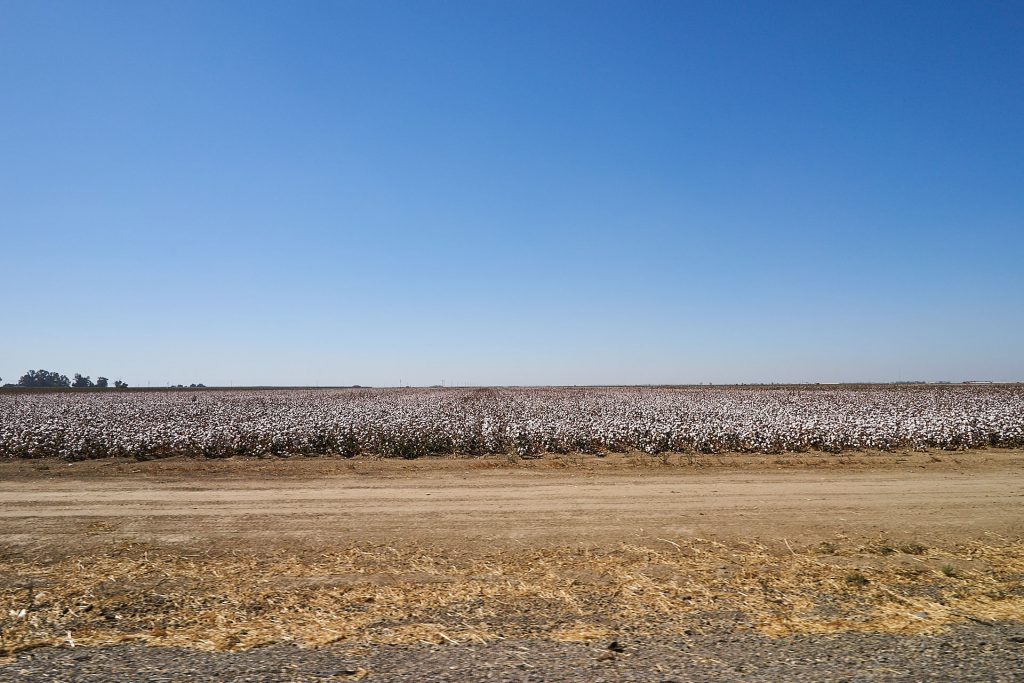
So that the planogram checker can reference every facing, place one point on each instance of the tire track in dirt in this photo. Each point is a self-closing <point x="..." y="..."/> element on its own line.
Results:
<point x="472" y="506"/>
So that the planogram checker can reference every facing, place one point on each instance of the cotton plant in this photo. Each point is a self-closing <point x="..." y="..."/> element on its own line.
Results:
<point x="414" y="422"/>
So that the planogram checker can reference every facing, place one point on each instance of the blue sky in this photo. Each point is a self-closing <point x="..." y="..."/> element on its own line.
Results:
<point x="512" y="192"/>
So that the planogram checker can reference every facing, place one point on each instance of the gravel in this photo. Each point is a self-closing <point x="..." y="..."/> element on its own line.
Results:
<point x="966" y="653"/>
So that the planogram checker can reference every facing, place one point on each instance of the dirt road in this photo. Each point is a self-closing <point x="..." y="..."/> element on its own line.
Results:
<point x="465" y="502"/>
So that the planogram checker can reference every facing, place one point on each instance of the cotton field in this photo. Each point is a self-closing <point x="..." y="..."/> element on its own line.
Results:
<point x="413" y="422"/>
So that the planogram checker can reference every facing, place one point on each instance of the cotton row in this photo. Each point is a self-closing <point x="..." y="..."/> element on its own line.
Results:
<point x="413" y="422"/>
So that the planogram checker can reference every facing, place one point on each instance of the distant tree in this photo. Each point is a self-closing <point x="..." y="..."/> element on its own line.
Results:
<point x="118" y="384"/>
<point x="81" y="382"/>
<point x="102" y="382"/>
<point x="43" y="378"/>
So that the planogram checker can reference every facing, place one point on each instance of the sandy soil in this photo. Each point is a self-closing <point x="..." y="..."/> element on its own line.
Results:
<point x="55" y="507"/>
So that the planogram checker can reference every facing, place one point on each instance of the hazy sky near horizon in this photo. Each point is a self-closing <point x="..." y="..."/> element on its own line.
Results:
<point x="528" y="192"/>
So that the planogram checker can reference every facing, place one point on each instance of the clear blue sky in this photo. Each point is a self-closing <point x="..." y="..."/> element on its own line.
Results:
<point x="512" y="192"/>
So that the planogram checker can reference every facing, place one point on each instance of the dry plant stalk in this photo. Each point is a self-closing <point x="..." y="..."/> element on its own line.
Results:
<point x="381" y="594"/>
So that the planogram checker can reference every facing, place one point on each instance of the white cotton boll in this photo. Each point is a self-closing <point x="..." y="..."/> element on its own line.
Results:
<point x="417" y="422"/>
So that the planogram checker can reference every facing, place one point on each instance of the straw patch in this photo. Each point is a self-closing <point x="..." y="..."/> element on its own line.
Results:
<point x="381" y="594"/>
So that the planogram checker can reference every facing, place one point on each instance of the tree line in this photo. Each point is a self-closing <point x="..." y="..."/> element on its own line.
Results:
<point x="48" y="379"/>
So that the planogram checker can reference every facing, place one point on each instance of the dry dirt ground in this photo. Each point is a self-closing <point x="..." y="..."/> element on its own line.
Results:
<point x="467" y="558"/>
<point x="932" y="498"/>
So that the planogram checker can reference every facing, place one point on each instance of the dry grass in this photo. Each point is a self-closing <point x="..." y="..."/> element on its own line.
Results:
<point x="397" y="595"/>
